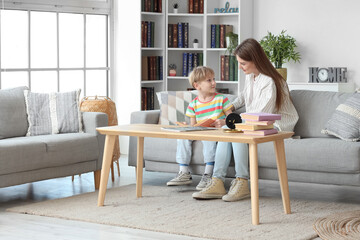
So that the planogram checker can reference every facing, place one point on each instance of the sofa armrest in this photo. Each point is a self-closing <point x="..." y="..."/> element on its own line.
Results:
<point x="91" y="121"/>
<point x="147" y="117"/>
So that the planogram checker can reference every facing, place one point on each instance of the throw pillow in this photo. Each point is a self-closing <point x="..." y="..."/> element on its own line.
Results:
<point x="345" y="121"/>
<point x="13" y="121"/>
<point x="173" y="105"/>
<point x="52" y="113"/>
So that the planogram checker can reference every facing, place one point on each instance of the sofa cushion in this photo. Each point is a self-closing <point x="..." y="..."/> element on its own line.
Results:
<point x="173" y="105"/>
<point x="345" y="121"/>
<point x="315" y="109"/>
<point x="315" y="154"/>
<point x="44" y="151"/>
<point x="12" y="123"/>
<point x="52" y="113"/>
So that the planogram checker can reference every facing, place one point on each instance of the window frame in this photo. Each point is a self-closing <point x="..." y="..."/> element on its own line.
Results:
<point x="64" y="6"/>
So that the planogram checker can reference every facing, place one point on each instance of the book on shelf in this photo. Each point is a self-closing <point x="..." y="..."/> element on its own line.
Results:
<point x="151" y="68"/>
<point x="218" y="35"/>
<point x="174" y="35"/>
<point x="147" y="33"/>
<point x="228" y="68"/>
<point x="186" y="35"/>
<point x="151" y="6"/>
<point x="180" y="35"/>
<point x="187" y="129"/>
<point x="261" y="132"/>
<point x="147" y="98"/>
<point x="222" y="90"/>
<point x="260" y="116"/>
<point x="191" y="60"/>
<point x="264" y="123"/>
<point x="244" y="126"/>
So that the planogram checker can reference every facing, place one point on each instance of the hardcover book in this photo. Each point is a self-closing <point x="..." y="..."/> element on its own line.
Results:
<point x="260" y="116"/>
<point x="265" y="123"/>
<point x="187" y="129"/>
<point x="244" y="126"/>
<point x="261" y="132"/>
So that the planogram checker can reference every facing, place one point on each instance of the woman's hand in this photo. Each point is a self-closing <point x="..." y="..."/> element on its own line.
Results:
<point x="219" y="123"/>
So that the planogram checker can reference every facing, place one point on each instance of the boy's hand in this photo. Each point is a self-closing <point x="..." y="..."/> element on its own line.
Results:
<point x="219" y="123"/>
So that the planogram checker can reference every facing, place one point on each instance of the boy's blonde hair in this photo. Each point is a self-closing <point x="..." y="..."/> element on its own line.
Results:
<point x="200" y="73"/>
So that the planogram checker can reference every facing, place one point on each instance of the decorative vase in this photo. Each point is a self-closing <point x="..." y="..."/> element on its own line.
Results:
<point x="283" y="72"/>
<point x="175" y="10"/>
<point x="196" y="45"/>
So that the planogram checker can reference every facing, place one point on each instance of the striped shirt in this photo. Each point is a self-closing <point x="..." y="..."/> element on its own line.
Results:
<point x="214" y="109"/>
<point x="259" y="95"/>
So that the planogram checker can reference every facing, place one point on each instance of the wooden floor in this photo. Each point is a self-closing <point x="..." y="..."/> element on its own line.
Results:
<point x="22" y="226"/>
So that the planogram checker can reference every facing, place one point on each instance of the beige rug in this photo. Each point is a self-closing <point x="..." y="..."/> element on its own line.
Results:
<point x="172" y="210"/>
<point x="339" y="226"/>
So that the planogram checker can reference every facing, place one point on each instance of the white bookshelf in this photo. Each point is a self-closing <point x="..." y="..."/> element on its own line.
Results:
<point x="200" y="28"/>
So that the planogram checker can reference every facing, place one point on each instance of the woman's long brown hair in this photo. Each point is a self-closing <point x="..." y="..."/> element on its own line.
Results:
<point x="250" y="50"/>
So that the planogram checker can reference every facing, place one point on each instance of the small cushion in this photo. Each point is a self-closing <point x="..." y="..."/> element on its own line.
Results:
<point x="173" y="105"/>
<point x="345" y="121"/>
<point x="13" y="121"/>
<point x="52" y="113"/>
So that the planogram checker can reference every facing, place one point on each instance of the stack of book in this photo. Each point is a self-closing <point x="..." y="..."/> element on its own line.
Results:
<point x="260" y="124"/>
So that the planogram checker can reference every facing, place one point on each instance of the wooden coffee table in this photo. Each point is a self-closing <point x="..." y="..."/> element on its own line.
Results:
<point x="154" y="130"/>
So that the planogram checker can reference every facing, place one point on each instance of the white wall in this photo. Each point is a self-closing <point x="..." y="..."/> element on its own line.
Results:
<point x="327" y="34"/>
<point x="126" y="81"/>
<point x="326" y="31"/>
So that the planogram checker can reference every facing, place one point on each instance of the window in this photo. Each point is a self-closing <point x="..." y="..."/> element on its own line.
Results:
<point x="55" y="51"/>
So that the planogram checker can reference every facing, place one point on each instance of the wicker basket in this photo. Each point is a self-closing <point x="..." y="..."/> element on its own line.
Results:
<point x="105" y="105"/>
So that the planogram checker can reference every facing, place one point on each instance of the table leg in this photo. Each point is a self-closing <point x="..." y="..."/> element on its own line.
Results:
<point x="107" y="161"/>
<point x="139" y="166"/>
<point x="254" y="175"/>
<point x="282" y="172"/>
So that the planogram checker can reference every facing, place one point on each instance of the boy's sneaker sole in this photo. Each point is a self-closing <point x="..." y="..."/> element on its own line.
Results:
<point x="179" y="183"/>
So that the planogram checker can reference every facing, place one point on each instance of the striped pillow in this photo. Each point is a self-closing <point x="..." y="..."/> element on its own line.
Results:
<point x="345" y="121"/>
<point x="52" y="113"/>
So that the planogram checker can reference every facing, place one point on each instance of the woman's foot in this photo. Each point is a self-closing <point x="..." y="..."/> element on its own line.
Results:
<point x="214" y="190"/>
<point x="239" y="190"/>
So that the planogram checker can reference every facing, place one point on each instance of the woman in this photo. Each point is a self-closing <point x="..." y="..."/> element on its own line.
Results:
<point x="265" y="91"/>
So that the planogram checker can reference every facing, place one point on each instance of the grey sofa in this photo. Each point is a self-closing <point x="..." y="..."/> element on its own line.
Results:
<point x="315" y="158"/>
<point x="25" y="159"/>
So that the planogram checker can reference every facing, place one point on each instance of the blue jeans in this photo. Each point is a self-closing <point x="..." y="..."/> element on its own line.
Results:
<point x="223" y="156"/>
<point x="184" y="151"/>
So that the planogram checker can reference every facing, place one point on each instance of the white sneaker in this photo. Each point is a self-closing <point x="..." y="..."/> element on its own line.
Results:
<point x="180" y="179"/>
<point x="205" y="180"/>
<point x="213" y="190"/>
<point x="239" y="190"/>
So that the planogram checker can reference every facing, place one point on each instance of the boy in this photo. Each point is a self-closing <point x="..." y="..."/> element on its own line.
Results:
<point x="208" y="104"/>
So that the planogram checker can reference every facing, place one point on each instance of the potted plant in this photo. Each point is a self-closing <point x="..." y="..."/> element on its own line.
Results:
<point x="231" y="42"/>
<point x="175" y="6"/>
<point x="280" y="49"/>
<point x="196" y="43"/>
<point x="172" y="70"/>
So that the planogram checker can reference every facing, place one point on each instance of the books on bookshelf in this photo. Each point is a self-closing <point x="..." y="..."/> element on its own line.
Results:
<point x="147" y="33"/>
<point x="178" y="35"/>
<point x="260" y="116"/>
<point x="196" y="6"/>
<point x="190" y="61"/>
<point x="151" y="6"/>
<point x="147" y="98"/>
<point x="261" y="132"/>
<point x="228" y="68"/>
<point x="151" y="68"/>
<point x="218" y="35"/>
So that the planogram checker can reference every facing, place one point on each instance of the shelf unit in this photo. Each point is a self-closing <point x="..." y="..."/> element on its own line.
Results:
<point x="199" y="28"/>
